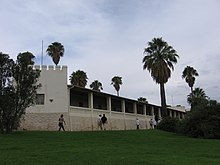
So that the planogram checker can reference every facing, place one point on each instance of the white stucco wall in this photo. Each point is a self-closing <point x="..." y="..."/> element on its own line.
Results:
<point x="54" y="86"/>
<point x="83" y="119"/>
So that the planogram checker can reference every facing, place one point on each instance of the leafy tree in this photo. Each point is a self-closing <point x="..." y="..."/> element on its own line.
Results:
<point x="196" y="97"/>
<point x="79" y="78"/>
<point x="189" y="74"/>
<point x="116" y="82"/>
<point x="19" y="91"/>
<point x="203" y="121"/>
<point x="159" y="61"/>
<point x="6" y="66"/>
<point x="142" y="99"/>
<point x="96" y="85"/>
<point x="55" y="50"/>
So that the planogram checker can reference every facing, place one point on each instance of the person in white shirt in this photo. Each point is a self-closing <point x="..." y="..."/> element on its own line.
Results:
<point x="61" y="122"/>
<point x="99" y="122"/>
<point x="151" y="124"/>
<point x="137" y="123"/>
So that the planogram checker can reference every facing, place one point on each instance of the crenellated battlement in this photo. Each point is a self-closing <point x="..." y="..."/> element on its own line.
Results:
<point x="51" y="74"/>
<point x="53" y="80"/>
<point x="50" y="67"/>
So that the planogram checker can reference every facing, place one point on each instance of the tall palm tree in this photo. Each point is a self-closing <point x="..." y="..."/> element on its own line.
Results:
<point x="196" y="96"/>
<point x="55" y="50"/>
<point x="78" y="78"/>
<point x="96" y="85"/>
<point x="189" y="74"/>
<point x="116" y="82"/>
<point x="159" y="61"/>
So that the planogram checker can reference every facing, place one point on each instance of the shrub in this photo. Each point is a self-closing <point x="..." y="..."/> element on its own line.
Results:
<point x="202" y="122"/>
<point x="211" y="128"/>
<point x="169" y="124"/>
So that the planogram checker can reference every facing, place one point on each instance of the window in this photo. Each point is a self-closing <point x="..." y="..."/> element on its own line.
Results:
<point x="116" y="104"/>
<point x="99" y="101"/>
<point x="140" y="109"/>
<point x="78" y="98"/>
<point x="148" y="110"/>
<point x="40" y="99"/>
<point x="129" y="107"/>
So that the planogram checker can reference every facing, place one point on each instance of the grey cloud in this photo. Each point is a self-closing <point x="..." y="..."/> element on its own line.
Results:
<point x="107" y="38"/>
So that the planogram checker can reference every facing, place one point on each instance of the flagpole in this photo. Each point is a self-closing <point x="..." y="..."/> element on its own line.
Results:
<point x="42" y="53"/>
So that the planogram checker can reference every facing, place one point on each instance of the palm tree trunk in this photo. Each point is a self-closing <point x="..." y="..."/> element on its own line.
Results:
<point x="192" y="98"/>
<point x="163" y="100"/>
<point x="117" y="93"/>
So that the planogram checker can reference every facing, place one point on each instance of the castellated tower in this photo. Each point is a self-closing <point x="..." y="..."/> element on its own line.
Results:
<point x="52" y="99"/>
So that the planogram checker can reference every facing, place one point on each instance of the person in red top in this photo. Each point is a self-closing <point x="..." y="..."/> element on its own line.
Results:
<point x="61" y="122"/>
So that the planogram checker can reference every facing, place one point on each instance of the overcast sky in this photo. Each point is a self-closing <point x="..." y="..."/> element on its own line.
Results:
<point x="106" y="38"/>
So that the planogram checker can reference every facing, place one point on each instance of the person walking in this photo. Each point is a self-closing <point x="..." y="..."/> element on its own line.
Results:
<point x="99" y="122"/>
<point x="104" y="121"/>
<point x="151" y="124"/>
<point x="61" y="123"/>
<point x="137" y="123"/>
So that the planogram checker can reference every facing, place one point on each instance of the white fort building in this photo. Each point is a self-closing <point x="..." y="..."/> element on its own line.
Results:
<point x="81" y="106"/>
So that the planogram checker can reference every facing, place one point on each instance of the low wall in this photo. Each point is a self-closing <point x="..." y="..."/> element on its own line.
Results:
<point x="43" y="121"/>
<point x="83" y="119"/>
<point x="86" y="119"/>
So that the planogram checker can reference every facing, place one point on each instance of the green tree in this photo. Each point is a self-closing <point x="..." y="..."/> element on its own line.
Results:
<point x="55" y="50"/>
<point x="189" y="74"/>
<point x="79" y="78"/>
<point x="203" y="121"/>
<point x="142" y="99"/>
<point x="18" y="91"/>
<point x="159" y="59"/>
<point x="116" y="82"/>
<point x="196" y="97"/>
<point x="6" y="66"/>
<point x="96" y="85"/>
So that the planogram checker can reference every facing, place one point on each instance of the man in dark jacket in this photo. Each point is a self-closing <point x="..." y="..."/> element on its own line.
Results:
<point x="104" y="121"/>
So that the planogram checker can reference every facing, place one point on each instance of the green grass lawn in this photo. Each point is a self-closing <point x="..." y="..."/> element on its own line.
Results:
<point x="106" y="147"/>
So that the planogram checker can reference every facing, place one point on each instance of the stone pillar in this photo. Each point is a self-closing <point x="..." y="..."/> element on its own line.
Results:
<point x="90" y="102"/>
<point x="145" y="115"/>
<point x="174" y="112"/>
<point x="183" y="115"/>
<point x="171" y="112"/>
<point x="152" y="111"/>
<point x="145" y="109"/>
<point x="159" y="113"/>
<point x="123" y="106"/>
<point x="109" y="107"/>
<point x="123" y="111"/>
<point x="135" y="108"/>
<point x="178" y="115"/>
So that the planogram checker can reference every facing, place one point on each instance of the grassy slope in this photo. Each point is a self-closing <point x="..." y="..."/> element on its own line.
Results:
<point x="107" y="147"/>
